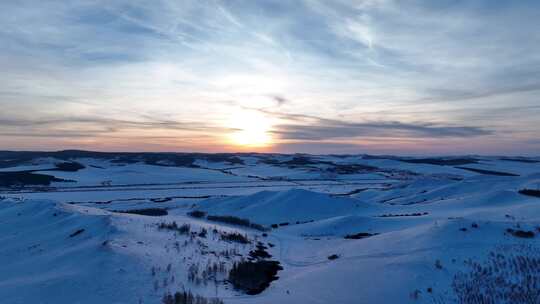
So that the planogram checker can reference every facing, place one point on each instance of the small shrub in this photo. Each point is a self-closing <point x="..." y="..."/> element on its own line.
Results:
<point x="183" y="229"/>
<point x="521" y="233"/>
<point x="404" y="214"/>
<point x="197" y="214"/>
<point x="360" y="235"/>
<point x="188" y="298"/>
<point x="260" y="252"/>
<point x="147" y="211"/>
<point x="76" y="233"/>
<point x="234" y="237"/>
<point x="203" y="233"/>
<point x="333" y="257"/>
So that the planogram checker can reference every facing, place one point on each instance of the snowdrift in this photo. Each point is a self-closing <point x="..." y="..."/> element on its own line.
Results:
<point x="297" y="205"/>
<point x="53" y="253"/>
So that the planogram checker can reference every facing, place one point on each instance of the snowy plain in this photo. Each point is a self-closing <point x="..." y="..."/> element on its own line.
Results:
<point x="345" y="229"/>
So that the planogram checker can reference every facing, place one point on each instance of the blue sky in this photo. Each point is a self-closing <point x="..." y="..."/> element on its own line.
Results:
<point x="373" y="76"/>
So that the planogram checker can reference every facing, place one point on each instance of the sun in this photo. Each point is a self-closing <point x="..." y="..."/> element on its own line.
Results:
<point x="250" y="129"/>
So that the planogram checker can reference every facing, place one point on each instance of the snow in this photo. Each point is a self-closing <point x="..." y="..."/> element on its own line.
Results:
<point x="268" y="207"/>
<point x="427" y="222"/>
<point x="41" y="263"/>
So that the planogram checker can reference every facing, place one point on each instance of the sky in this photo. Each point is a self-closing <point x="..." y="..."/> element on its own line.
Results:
<point x="311" y="76"/>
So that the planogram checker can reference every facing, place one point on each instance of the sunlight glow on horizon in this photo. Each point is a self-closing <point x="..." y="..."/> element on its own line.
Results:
<point x="250" y="129"/>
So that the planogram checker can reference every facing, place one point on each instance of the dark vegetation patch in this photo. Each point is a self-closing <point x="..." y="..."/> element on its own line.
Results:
<point x="530" y="192"/>
<point x="30" y="178"/>
<point x="234" y="237"/>
<point x="16" y="158"/>
<point x="161" y="199"/>
<point x="69" y="167"/>
<point x="259" y="252"/>
<point x="305" y="161"/>
<point x="368" y="156"/>
<point x="221" y="158"/>
<point x="252" y="277"/>
<point x="228" y="219"/>
<point x="183" y="229"/>
<point x="521" y="160"/>
<point x="77" y="232"/>
<point x="341" y="155"/>
<point x="275" y="226"/>
<point x="509" y="275"/>
<point x="197" y="214"/>
<point x="169" y="159"/>
<point x="8" y="163"/>
<point x="487" y="172"/>
<point x="146" y="211"/>
<point x="351" y="169"/>
<point x="269" y="161"/>
<point x="188" y="298"/>
<point x="360" y="235"/>
<point x="404" y="214"/>
<point x="300" y="161"/>
<point x="202" y="233"/>
<point x="521" y="233"/>
<point x="18" y="179"/>
<point x="441" y="161"/>
<point x="333" y="257"/>
<point x="355" y="191"/>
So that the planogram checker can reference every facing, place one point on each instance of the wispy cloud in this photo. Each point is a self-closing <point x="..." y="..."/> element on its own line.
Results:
<point x="336" y="129"/>
<point x="313" y="128"/>
<point x="99" y="126"/>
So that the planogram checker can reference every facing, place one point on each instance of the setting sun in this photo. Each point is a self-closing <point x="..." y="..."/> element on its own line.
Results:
<point x="250" y="129"/>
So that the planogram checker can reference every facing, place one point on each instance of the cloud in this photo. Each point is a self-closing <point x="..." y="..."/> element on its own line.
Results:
<point x="327" y="148"/>
<point x="348" y="69"/>
<point x="99" y="126"/>
<point x="280" y="100"/>
<point x="334" y="129"/>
